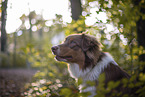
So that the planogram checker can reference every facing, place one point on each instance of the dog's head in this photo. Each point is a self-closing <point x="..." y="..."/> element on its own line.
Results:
<point x="81" y="49"/>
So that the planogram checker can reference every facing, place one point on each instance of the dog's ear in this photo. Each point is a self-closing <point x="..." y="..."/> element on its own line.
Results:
<point x="89" y="42"/>
<point x="86" y="43"/>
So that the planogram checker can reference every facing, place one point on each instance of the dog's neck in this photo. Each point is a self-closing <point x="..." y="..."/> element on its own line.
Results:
<point x="92" y="72"/>
<point x="105" y="64"/>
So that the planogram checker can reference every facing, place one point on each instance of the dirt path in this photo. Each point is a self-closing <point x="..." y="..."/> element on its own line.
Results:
<point x="12" y="81"/>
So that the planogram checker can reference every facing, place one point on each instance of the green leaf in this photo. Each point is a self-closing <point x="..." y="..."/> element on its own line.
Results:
<point x="66" y="92"/>
<point x="80" y="81"/>
<point x="91" y="83"/>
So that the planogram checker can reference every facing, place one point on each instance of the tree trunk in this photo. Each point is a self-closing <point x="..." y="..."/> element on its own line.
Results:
<point x="3" y="25"/>
<point x="141" y="30"/>
<point x="30" y="29"/>
<point x="76" y="9"/>
<point x="14" y="53"/>
<point x="141" y="38"/>
<point x="140" y="24"/>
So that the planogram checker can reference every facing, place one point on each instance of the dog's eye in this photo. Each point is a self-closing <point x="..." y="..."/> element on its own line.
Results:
<point x="73" y="42"/>
<point x="74" y="45"/>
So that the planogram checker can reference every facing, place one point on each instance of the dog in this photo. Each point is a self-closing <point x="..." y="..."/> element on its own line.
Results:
<point x="86" y="60"/>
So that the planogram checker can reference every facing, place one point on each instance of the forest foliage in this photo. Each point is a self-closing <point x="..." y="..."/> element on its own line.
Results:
<point x="33" y="50"/>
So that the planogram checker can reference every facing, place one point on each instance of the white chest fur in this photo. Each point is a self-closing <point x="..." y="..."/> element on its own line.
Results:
<point x="90" y="73"/>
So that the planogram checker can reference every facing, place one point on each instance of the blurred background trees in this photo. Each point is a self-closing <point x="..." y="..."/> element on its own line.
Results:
<point x="122" y="34"/>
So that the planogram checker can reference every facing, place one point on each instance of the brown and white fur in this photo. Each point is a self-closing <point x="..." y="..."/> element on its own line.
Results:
<point x="86" y="61"/>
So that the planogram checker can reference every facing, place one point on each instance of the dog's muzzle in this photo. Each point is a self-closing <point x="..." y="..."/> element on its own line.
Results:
<point x="54" y="49"/>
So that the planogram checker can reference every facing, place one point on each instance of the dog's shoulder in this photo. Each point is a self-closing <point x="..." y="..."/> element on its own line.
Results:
<point x="114" y="72"/>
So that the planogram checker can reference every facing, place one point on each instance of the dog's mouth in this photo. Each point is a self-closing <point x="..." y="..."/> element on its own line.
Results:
<point x="63" y="58"/>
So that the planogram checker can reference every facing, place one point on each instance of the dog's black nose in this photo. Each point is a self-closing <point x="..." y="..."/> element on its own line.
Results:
<point x="54" y="48"/>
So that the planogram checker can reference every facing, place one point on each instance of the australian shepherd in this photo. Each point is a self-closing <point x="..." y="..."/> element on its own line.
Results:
<point x="87" y="61"/>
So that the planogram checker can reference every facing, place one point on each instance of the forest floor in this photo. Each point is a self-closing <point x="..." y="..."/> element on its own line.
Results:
<point x="12" y="81"/>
